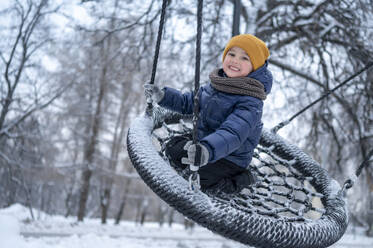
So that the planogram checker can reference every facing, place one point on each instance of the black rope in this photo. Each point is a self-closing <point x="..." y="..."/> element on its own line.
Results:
<point x="159" y="38"/>
<point x="236" y="18"/>
<point x="196" y="83"/>
<point x="156" y="53"/>
<point x="284" y="123"/>
<point x="350" y="182"/>
<point x="197" y="70"/>
<point x="364" y="163"/>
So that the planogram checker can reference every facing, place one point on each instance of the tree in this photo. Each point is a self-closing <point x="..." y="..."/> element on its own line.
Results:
<point x="18" y="58"/>
<point x="328" y="38"/>
<point x="23" y="89"/>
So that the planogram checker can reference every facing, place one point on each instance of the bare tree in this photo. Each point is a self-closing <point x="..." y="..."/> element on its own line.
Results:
<point x="91" y="145"/>
<point x="317" y="45"/>
<point x="17" y="61"/>
<point x="21" y="94"/>
<point x="123" y="202"/>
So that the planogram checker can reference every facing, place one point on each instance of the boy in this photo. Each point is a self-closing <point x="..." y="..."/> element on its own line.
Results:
<point x="229" y="124"/>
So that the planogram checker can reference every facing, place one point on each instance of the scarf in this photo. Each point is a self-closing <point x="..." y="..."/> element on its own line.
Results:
<point x="239" y="86"/>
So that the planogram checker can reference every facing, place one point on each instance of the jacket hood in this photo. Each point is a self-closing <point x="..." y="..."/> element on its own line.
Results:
<point x="263" y="75"/>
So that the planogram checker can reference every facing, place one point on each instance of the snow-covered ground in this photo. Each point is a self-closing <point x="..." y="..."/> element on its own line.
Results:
<point x="17" y="231"/>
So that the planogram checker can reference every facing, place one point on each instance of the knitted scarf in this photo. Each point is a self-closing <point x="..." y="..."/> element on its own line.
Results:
<point x="239" y="86"/>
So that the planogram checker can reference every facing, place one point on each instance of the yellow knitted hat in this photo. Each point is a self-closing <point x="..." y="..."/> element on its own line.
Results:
<point x="253" y="46"/>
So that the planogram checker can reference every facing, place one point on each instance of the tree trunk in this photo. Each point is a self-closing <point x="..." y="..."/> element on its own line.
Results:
<point x="188" y="224"/>
<point x="115" y="150"/>
<point x="144" y="212"/>
<point x="67" y="203"/>
<point x="105" y="199"/>
<point x="91" y="148"/>
<point x="161" y="214"/>
<point x="123" y="202"/>
<point x="171" y="213"/>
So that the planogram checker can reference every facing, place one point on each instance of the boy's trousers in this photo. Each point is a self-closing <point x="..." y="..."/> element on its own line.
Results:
<point x="213" y="173"/>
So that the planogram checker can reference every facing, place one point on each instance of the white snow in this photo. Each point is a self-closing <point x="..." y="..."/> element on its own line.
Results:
<point x="18" y="231"/>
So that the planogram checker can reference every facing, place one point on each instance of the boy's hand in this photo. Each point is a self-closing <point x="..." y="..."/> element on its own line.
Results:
<point x="153" y="92"/>
<point x="193" y="158"/>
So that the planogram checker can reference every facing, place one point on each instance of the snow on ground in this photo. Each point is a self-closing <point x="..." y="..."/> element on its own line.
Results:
<point x="18" y="231"/>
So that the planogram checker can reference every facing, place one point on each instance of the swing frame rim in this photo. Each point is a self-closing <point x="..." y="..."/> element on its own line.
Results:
<point x="163" y="180"/>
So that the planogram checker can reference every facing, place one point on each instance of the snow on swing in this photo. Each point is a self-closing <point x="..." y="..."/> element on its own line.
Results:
<point x="295" y="204"/>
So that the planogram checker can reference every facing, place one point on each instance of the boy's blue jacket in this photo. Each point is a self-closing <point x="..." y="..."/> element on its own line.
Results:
<point x="229" y="125"/>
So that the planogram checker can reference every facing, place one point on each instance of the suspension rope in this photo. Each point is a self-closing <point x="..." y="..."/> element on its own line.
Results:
<point x="236" y="18"/>
<point x="286" y="122"/>
<point x="194" y="177"/>
<point x="159" y="38"/>
<point x="350" y="182"/>
<point x="157" y="48"/>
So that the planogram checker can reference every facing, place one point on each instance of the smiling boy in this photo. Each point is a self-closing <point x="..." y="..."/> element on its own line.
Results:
<point x="229" y="124"/>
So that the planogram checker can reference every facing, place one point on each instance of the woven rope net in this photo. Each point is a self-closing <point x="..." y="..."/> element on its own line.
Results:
<point x="294" y="203"/>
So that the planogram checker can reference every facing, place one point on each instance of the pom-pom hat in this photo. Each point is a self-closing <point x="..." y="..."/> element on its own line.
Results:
<point x="253" y="46"/>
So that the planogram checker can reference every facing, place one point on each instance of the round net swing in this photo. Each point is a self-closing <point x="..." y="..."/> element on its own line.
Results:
<point x="294" y="203"/>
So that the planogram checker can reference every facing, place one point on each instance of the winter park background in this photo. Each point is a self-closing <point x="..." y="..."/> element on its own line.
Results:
<point x="71" y="76"/>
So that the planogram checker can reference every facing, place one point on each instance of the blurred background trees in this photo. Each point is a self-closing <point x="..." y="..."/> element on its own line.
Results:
<point x="71" y="82"/>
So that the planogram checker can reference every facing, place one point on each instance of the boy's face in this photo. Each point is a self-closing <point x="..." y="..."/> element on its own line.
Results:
<point x="237" y="63"/>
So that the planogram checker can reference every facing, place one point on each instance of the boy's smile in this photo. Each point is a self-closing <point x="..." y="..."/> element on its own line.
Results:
<point x="237" y="63"/>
